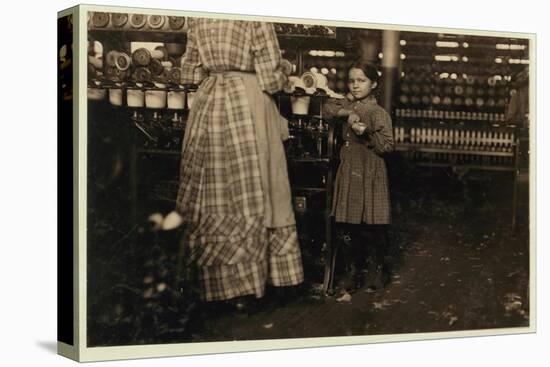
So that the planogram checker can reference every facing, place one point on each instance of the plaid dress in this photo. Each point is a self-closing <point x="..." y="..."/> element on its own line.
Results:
<point x="241" y="230"/>
<point x="361" y="192"/>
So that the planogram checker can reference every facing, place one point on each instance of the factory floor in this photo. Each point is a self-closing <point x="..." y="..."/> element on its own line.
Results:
<point x="461" y="267"/>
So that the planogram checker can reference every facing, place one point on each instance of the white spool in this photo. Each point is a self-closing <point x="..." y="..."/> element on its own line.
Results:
<point x="135" y="98"/>
<point x="300" y="105"/>
<point x="96" y="62"/>
<point x="96" y="94"/>
<point x="155" y="98"/>
<point x="176" y="100"/>
<point x="115" y="96"/>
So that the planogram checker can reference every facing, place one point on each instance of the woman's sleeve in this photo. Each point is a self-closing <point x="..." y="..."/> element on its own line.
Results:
<point x="267" y="57"/>
<point x="191" y="66"/>
<point x="382" y="137"/>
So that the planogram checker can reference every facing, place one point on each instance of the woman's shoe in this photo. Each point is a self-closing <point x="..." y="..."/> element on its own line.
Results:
<point x="244" y="305"/>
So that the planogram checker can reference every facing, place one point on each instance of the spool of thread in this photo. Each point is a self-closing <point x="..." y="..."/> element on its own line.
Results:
<point x="300" y="105"/>
<point x="156" y="67"/>
<point x="141" y="57"/>
<point x="174" y="75"/>
<point x="135" y="97"/>
<point x="112" y="73"/>
<point x="123" y="61"/>
<point x="137" y="21"/>
<point x="160" y="53"/>
<point x="100" y="20"/>
<point x="115" y="96"/>
<point x="97" y="48"/>
<point x="167" y="64"/>
<point x="96" y="62"/>
<point x="142" y="74"/>
<point x="309" y="79"/>
<point x="155" y="98"/>
<point x="176" y="23"/>
<point x="176" y="100"/>
<point x="155" y="21"/>
<point x="96" y="94"/>
<point x="321" y="81"/>
<point x="111" y="57"/>
<point x="119" y="19"/>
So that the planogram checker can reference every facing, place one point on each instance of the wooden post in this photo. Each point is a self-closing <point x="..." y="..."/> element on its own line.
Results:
<point x="391" y="51"/>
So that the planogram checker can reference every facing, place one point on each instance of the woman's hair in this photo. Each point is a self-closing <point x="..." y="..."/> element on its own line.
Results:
<point x="371" y="71"/>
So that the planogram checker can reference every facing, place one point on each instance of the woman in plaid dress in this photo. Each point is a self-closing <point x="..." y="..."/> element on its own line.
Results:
<point x="361" y="200"/>
<point x="234" y="191"/>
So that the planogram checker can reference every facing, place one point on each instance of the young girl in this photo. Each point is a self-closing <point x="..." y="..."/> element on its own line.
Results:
<point x="361" y="202"/>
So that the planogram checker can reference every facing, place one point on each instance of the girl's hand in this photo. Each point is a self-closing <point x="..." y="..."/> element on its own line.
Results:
<point x="359" y="128"/>
<point x="353" y="118"/>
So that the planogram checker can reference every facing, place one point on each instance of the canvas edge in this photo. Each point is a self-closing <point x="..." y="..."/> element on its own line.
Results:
<point x="86" y="354"/>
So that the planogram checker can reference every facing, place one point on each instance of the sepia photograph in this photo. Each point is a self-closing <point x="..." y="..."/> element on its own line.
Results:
<point x="262" y="179"/>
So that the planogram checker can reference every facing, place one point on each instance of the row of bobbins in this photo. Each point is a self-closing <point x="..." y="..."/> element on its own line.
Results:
<point x="139" y="95"/>
<point x="121" y="21"/>
<point x="487" y="140"/>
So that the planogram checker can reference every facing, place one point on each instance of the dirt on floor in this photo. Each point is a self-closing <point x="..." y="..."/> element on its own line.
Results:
<point x="461" y="267"/>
